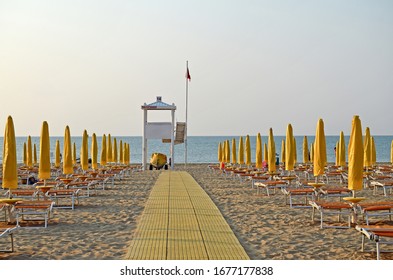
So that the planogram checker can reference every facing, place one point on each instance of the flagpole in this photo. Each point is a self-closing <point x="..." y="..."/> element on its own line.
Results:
<point x="186" y="130"/>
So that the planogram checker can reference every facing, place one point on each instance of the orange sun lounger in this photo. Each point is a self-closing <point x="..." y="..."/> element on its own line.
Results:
<point x="291" y="193"/>
<point x="267" y="185"/>
<point x="33" y="210"/>
<point x="332" y="208"/>
<point x="379" y="235"/>
<point x="375" y="209"/>
<point x="386" y="185"/>
<point x="64" y="194"/>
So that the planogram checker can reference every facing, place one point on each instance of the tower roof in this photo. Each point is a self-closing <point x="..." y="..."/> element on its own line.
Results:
<point x="158" y="105"/>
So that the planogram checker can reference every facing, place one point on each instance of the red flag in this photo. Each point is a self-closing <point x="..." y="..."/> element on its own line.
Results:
<point x="188" y="75"/>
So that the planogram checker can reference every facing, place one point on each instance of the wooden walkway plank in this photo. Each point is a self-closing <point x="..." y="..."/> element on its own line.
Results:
<point x="181" y="222"/>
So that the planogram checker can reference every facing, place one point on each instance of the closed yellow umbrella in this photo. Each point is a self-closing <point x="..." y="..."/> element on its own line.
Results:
<point x="367" y="149"/>
<point x="109" y="157"/>
<point x="35" y="154"/>
<point x="67" y="153"/>
<point x="294" y="149"/>
<point x="233" y="151"/>
<point x="224" y="154"/>
<point x="265" y="153"/>
<point x="114" y="153"/>
<point x="320" y="150"/>
<point x="306" y="159"/>
<point x="127" y="153"/>
<point x="10" y="169"/>
<point x="121" y="153"/>
<point x="103" y="159"/>
<point x="44" y="165"/>
<point x="74" y="154"/>
<point x="283" y="153"/>
<point x="24" y="154"/>
<point x="355" y="157"/>
<point x="341" y="150"/>
<point x="248" y="151"/>
<point x="373" y="152"/>
<point x="29" y="152"/>
<point x="241" y="151"/>
<point x="271" y="152"/>
<point x="84" y="152"/>
<point x="224" y="151"/>
<point x="258" y="152"/>
<point x="289" y="149"/>
<point x="94" y="151"/>
<point x="57" y="154"/>
<point x="337" y="155"/>
<point x="228" y="152"/>
<point x="219" y="152"/>
<point x="312" y="152"/>
<point x="391" y="153"/>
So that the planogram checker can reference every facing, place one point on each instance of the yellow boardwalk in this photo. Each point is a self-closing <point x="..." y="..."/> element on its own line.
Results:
<point x="181" y="222"/>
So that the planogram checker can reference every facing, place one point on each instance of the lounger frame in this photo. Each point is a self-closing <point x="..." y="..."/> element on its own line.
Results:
<point x="34" y="211"/>
<point x="387" y="188"/>
<point x="331" y="208"/>
<point x="64" y="195"/>
<point x="378" y="239"/>
<point x="305" y="195"/>
<point x="377" y="210"/>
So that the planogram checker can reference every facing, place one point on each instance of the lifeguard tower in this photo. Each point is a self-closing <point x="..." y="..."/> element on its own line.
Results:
<point x="161" y="130"/>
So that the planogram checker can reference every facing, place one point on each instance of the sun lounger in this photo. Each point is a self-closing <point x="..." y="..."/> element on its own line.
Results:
<point x="214" y="167"/>
<point x="85" y="186"/>
<point x="235" y="172"/>
<point x="256" y="179"/>
<point x="23" y="193"/>
<point x="5" y="208"/>
<point x="334" y="191"/>
<point x="302" y="193"/>
<point x="379" y="235"/>
<point x="37" y="210"/>
<point x="8" y="232"/>
<point x="344" y="178"/>
<point x="47" y="183"/>
<point x="332" y="208"/>
<point x="332" y="177"/>
<point x="376" y="209"/>
<point x="270" y="185"/>
<point x="64" y="195"/>
<point x="244" y="176"/>
<point x="386" y="185"/>
<point x="110" y="178"/>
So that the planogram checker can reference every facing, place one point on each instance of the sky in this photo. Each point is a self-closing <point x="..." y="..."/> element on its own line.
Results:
<point x="254" y="64"/>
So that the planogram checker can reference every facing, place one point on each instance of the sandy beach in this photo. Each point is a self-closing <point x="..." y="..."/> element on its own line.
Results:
<point x="101" y="227"/>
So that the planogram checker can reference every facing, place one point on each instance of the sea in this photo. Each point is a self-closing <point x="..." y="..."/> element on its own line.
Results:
<point x="200" y="149"/>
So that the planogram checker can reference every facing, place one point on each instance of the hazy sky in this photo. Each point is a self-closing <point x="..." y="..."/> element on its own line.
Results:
<point x="253" y="64"/>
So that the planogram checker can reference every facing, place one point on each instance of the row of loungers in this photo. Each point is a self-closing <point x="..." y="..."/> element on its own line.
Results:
<point x="299" y="192"/>
<point x="33" y="206"/>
